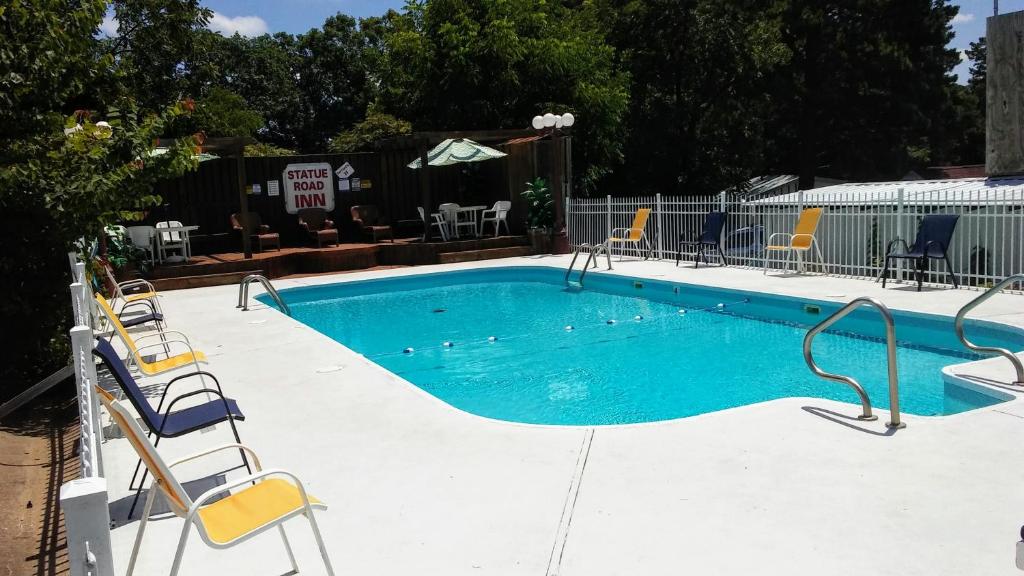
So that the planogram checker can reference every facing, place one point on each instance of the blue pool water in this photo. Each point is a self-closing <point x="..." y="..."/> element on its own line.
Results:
<point x="653" y="363"/>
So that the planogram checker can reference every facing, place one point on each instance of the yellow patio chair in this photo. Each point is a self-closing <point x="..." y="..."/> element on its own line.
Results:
<point x="191" y="357"/>
<point x="147" y="293"/>
<point x="268" y="499"/>
<point x="800" y="242"/>
<point x="634" y="235"/>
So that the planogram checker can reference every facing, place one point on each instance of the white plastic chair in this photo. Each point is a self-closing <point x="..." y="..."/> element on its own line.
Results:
<point x="436" y="220"/>
<point x="450" y="212"/>
<point x="496" y="216"/>
<point x="172" y="241"/>
<point x="144" y="238"/>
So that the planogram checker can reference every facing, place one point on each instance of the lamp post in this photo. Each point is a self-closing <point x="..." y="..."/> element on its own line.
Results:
<point x="556" y="126"/>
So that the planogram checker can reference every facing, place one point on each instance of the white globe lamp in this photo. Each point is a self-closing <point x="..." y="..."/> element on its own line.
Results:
<point x="538" y="122"/>
<point x="568" y="120"/>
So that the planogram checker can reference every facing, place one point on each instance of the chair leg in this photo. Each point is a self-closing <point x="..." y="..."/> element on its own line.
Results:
<point x="885" y="271"/>
<point x="721" y="255"/>
<point x="920" y="272"/>
<point x="765" y="267"/>
<point x="698" y="256"/>
<point x="319" y="542"/>
<point x="288" y="549"/>
<point x="949" y="270"/>
<point x="182" y="540"/>
<point x="146" y="510"/>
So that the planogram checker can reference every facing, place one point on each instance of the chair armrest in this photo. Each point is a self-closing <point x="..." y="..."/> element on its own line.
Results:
<point x="164" y="333"/>
<point x="889" y="246"/>
<point x="359" y="221"/>
<point x="199" y="373"/>
<point x="227" y="409"/>
<point x="139" y="349"/>
<point x="328" y="224"/>
<point x="144" y="302"/>
<point x="264" y="228"/>
<point x="305" y="226"/>
<point x="795" y="236"/>
<point x="786" y="234"/>
<point x="617" y="230"/>
<point x="221" y="448"/>
<point x="250" y="479"/>
<point x="493" y="213"/>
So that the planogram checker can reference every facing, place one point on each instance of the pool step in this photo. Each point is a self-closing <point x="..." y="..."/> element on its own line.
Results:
<point x="485" y="254"/>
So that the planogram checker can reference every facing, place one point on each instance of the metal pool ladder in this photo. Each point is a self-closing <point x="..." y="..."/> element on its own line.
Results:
<point x="243" y="293"/>
<point x="959" y="326"/>
<point x="890" y="348"/>
<point x="593" y="251"/>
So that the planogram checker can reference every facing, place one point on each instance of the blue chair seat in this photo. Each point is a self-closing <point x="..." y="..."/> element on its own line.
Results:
<point x="143" y="319"/>
<point x="197" y="417"/>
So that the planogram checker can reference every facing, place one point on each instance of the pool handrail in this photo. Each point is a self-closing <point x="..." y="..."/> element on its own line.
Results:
<point x="958" y="325"/>
<point x="243" y="293"/>
<point x="890" y="345"/>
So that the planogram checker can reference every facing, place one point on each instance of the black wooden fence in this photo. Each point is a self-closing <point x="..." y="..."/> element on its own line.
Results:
<point x="208" y="196"/>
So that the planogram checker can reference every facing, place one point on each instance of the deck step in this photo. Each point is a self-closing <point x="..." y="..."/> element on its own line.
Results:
<point x="201" y="281"/>
<point x="485" y="254"/>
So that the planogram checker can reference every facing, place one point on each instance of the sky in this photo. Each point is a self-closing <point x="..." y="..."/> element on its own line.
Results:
<point x="255" y="17"/>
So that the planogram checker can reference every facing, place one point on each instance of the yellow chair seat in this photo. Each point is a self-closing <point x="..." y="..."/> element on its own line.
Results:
<point x="171" y="363"/>
<point x="248" y="510"/>
<point x="787" y="247"/>
<point x="139" y="296"/>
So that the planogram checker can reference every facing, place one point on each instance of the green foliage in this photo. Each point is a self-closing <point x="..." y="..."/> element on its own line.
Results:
<point x="540" y="206"/>
<point x="54" y="186"/>
<point x="361" y="137"/>
<point x="460" y="65"/>
<point x="122" y="252"/>
<point x="262" y="149"/>
<point x="223" y="113"/>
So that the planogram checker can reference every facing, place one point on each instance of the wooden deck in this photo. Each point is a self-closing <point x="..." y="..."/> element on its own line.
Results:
<point x="231" y="267"/>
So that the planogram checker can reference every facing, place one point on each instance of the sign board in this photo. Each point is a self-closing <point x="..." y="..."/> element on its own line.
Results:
<point x="343" y="186"/>
<point x="356" y="185"/>
<point x="345" y="170"/>
<point x="273" y="188"/>
<point x="366" y="183"/>
<point x="256" y="189"/>
<point x="308" y="186"/>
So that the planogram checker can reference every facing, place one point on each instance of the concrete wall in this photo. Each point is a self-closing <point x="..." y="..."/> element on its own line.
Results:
<point x="1004" y="141"/>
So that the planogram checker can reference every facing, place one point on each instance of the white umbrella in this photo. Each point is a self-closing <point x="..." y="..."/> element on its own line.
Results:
<point x="453" y="151"/>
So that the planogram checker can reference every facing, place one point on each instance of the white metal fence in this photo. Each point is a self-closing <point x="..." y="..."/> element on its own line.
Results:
<point x="855" y="229"/>
<point x="84" y="500"/>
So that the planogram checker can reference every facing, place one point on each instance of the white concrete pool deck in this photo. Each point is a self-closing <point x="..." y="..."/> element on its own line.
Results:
<point x="793" y="486"/>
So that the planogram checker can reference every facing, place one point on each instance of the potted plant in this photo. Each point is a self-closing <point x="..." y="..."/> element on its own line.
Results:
<point x="540" y="214"/>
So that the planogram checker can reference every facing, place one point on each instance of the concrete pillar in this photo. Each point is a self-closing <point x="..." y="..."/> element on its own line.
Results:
<point x="87" y="523"/>
<point x="1004" y="134"/>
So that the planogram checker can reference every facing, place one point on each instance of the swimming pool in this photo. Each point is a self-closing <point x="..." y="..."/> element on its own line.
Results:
<point x="525" y="348"/>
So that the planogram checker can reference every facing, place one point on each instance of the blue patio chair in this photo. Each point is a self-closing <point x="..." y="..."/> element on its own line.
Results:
<point x="710" y="237"/>
<point x="163" y="421"/>
<point x="934" y="234"/>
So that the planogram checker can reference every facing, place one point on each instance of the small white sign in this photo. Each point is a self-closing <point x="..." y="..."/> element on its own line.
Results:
<point x="308" y="186"/>
<point x="273" y="188"/>
<point x="257" y="189"/>
<point x="357" y="185"/>
<point x="343" y="186"/>
<point x="345" y="170"/>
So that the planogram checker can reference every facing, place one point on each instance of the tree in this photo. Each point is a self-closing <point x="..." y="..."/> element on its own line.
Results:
<point x="459" y="65"/>
<point x="157" y="47"/>
<point x="221" y="112"/>
<point x="62" y="174"/>
<point x="867" y="80"/>
<point x="699" y="92"/>
<point x="361" y="137"/>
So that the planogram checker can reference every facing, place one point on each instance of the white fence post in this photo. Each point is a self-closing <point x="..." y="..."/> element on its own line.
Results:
<point x="87" y="525"/>
<point x="657" y="205"/>
<point x="900" y="204"/>
<point x="721" y="201"/>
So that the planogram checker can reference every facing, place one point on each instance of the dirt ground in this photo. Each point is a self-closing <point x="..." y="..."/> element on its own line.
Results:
<point x="37" y="455"/>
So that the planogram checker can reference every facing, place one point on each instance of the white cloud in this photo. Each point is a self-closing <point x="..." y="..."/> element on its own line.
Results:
<point x="244" y="25"/>
<point x="109" y="25"/>
<point x="963" y="56"/>
<point x="963" y="18"/>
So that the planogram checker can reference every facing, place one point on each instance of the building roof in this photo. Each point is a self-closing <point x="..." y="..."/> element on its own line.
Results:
<point x="961" y="191"/>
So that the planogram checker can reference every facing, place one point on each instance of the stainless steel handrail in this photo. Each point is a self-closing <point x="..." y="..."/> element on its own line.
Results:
<point x="959" y="326"/>
<point x="575" y="255"/>
<point x="593" y="251"/>
<point x="890" y="349"/>
<point x="243" y="293"/>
